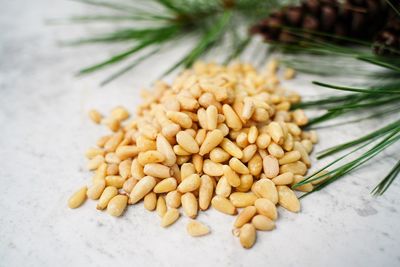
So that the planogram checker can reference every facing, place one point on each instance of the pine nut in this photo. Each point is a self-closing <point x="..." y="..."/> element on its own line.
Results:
<point x="125" y="152"/>
<point x="245" y="216"/>
<point x="289" y="143"/>
<point x="178" y="150"/>
<point x="247" y="235"/>
<point x="303" y="152"/>
<point x="223" y="205"/>
<point x="113" y="142"/>
<point x="180" y="118"/>
<point x="197" y="162"/>
<point x="112" y="158"/>
<point x="94" y="192"/>
<point x="288" y="199"/>
<point x="187" y="142"/>
<point x="293" y="129"/>
<point x="157" y="170"/>
<point x="125" y="168"/>
<point x="144" y="144"/>
<point x="200" y="136"/>
<point x="117" y="205"/>
<point x="95" y="162"/>
<point x="276" y="132"/>
<point x="93" y="152"/>
<point x="248" y="108"/>
<point x="195" y="229"/>
<point x="219" y="155"/>
<point x="115" y="180"/>
<point x="142" y="188"/>
<point x="223" y="128"/>
<point x="248" y="153"/>
<point x="246" y="181"/>
<point x="137" y="170"/>
<point x="161" y="206"/>
<point x="271" y="166"/>
<point x="173" y="199"/>
<point x="170" y="130"/>
<point x="318" y="181"/>
<point x="223" y="187"/>
<point x="212" y="168"/>
<point x="187" y="169"/>
<point x="290" y="157"/>
<point x="241" y="199"/>
<point x="212" y="140"/>
<point x="202" y="117"/>
<point x="300" y="117"/>
<point x="150" y="201"/>
<point x="304" y="188"/>
<point x="263" y="141"/>
<point x="265" y="188"/>
<point x="189" y="205"/>
<point x="165" y="186"/>
<point x="171" y="216"/>
<point x="283" y="179"/>
<point x="95" y="116"/>
<point x="108" y="193"/>
<point x="129" y="185"/>
<point x="297" y="167"/>
<point x="102" y="141"/>
<point x="255" y="165"/>
<point x="263" y="223"/>
<point x="120" y="113"/>
<point x="238" y="166"/>
<point x="212" y="117"/>
<point x="265" y="207"/>
<point x="190" y="183"/>
<point x="100" y="172"/>
<point x="77" y="198"/>
<point x="112" y="169"/>
<point x="276" y="150"/>
<point x="232" y="119"/>
<point x="205" y="192"/>
<point x="231" y="148"/>
<point x="307" y="144"/>
<point x="253" y="134"/>
<point x="231" y="176"/>
<point x="242" y="140"/>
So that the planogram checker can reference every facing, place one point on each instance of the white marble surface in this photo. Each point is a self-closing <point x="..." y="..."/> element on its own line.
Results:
<point x="45" y="130"/>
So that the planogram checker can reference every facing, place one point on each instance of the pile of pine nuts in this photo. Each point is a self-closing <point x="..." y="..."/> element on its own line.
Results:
<point x="220" y="136"/>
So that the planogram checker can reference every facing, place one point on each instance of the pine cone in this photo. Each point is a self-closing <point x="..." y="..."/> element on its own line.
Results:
<point x="358" y="19"/>
<point x="388" y="39"/>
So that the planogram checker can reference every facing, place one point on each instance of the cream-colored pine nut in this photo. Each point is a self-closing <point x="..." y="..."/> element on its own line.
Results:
<point x="112" y="158"/>
<point x="103" y="140"/>
<point x="289" y="74"/>
<point x="195" y="229"/>
<point x="290" y="157"/>
<point x="276" y="150"/>
<point x="113" y="142"/>
<point x="219" y="155"/>
<point x="95" y="162"/>
<point x="94" y="191"/>
<point x="180" y="118"/>
<point x="172" y="104"/>
<point x="117" y="205"/>
<point x="255" y="165"/>
<point x="288" y="199"/>
<point x="95" y="116"/>
<point x="303" y="152"/>
<point x="300" y="117"/>
<point x="200" y="136"/>
<point x="212" y="140"/>
<point x="245" y="216"/>
<point x="212" y="168"/>
<point x="223" y="187"/>
<point x="178" y="150"/>
<point x="119" y="113"/>
<point x="113" y="124"/>
<point x="232" y="119"/>
<point x="223" y="128"/>
<point x="202" y="117"/>
<point x="248" y="108"/>
<point x="276" y="132"/>
<point x="231" y="148"/>
<point x="115" y="180"/>
<point x="294" y="129"/>
<point x="142" y="188"/>
<point x="150" y="201"/>
<point x="238" y="166"/>
<point x="270" y="166"/>
<point x="112" y="169"/>
<point x="101" y="172"/>
<point x="206" y="99"/>
<point x="189" y="205"/>
<point x="289" y="143"/>
<point x="283" y="179"/>
<point x="266" y="207"/>
<point x="197" y="162"/>
<point x="149" y="131"/>
<point x="242" y="140"/>
<point x="192" y="132"/>
<point x="260" y="115"/>
<point x="283" y="106"/>
<point x="157" y="170"/>
<point x="247" y="235"/>
<point x="304" y="188"/>
<point x="161" y="206"/>
<point x="190" y="183"/>
<point x="313" y="137"/>
<point x="263" y="141"/>
<point x="93" y="152"/>
<point x="187" y="169"/>
<point x="308" y="145"/>
<point x="170" y="217"/>
<point x="223" y="205"/>
<point x="248" y="153"/>
<point x="137" y="170"/>
<point x="108" y="193"/>
<point x="151" y="156"/>
<point x="297" y="167"/>
<point x="129" y="185"/>
<point x="77" y="198"/>
<point x="231" y="176"/>
<point x="182" y="159"/>
<point x="318" y="181"/>
<point x="253" y="134"/>
<point x="165" y="185"/>
<point x="125" y="152"/>
<point x="212" y="117"/>
<point x="263" y="223"/>
<point x="144" y="144"/>
<point x="170" y="130"/>
<point x="187" y="142"/>
<point x="125" y="168"/>
<point x="205" y="192"/>
<point x="220" y="118"/>
<point x="265" y="188"/>
<point x="173" y="199"/>
<point x="246" y="181"/>
<point x="187" y="103"/>
<point x="242" y="199"/>
<point x="285" y="129"/>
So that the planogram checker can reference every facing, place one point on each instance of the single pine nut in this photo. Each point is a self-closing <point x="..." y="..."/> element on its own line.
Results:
<point x="223" y="205"/>
<point x="297" y="167"/>
<point x="246" y="181"/>
<point x="137" y="170"/>
<point x="238" y="166"/>
<point x="300" y="117"/>
<point x="202" y="117"/>
<point x="144" y="144"/>
<point x="197" y="162"/>
<point x="77" y="198"/>
<point x="182" y="159"/>
<point x="271" y="166"/>
<point x="212" y="117"/>
<point x="263" y="141"/>
<point x="276" y="150"/>
<point x="157" y="170"/>
<point x="289" y="143"/>
<point x="283" y="179"/>
<point x="112" y="158"/>
<point x="288" y="199"/>
<point x="248" y="108"/>
<point x="263" y="223"/>
<point x="173" y="199"/>
<point x="307" y="144"/>
<point x="187" y="103"/>
<point x="170" y="130"/>
<point x="313" y="137"/>
<point x="125" y="152"/>
<point x="223" y="128"/>
<point x="113" y="142"/>
<point x="102" y="140"/>
<point x="161" y="206"/>
<point x="231" y="176"/>
<point x="231" y="148"/>
<point x="165" y="186"/>
<point x="200" y="136"/>
<point x="255" y="165"/>
<point x="178" y="150"/>
<point x="265" y="188"/>
<point x="253" y="134"/>
<point x="129" y="185"/>
<point x="94" y="192"/>
<point x="212" y="140"/>
<point x="101" y="172"/>
<point x="142" y="188"/>
<point x="232" y="119"/>
<point x="187" y="169"/>
<point x="117" y="205"/>
<point x="303" y="152"/>
<point x="205" y="192"/>
<point x="304" y="188"/>
<point x="195" y="229"/>
<point x="95" y="162"/>
<point x="171" y="216"/>
<point x="125" y="168"/>
<point x="241" y="199"/>
<point x="265" y="207"/>
<point x="289" y="74"/>
<point x="180" y="118"/>
<point x="120" y="113"/>
<point x="223" y="187"/>
<point x="189" y="205"/>
<point x="108" y="193"/>
<point x="245" y="216"/>
<point x="318" y="181"/>
<point x="293" y="129"/>
<point x="150" y="201"/>
<point x="115" y="180"/>
<point x="219" y="155"/>
<point x="151" y="156"/>
<point x="93" y="152"/>
<point x="187" y="142"/>
<point x="242" y="140"/>
<point x="290" y="157"/>
<point x="112" y="169"/>
<point x="190" y="183"/>
<point x="247" y="235"/>
<point x="276" y="132"/>
<point x="248" y="153"/>
<point x="212" y="168"/>
<point x="95" y="116"/>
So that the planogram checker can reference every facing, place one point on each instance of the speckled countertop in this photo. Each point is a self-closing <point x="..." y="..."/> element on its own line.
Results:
<point x="45" y="130"/>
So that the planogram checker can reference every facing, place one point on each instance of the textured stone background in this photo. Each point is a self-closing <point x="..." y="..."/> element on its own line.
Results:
<point x="45" y="130"/>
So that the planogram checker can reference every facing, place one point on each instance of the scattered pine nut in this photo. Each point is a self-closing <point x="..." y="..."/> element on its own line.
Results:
<point x="196" y="229"/>
<point x="77" y="198"/>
